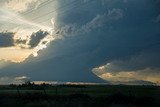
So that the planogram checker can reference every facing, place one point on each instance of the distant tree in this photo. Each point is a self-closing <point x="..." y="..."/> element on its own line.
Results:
<point x="28" y="83"/>
<point x="33" y="83"/>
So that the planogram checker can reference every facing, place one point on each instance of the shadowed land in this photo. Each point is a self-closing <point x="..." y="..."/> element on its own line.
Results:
<point x="44" y="95"/>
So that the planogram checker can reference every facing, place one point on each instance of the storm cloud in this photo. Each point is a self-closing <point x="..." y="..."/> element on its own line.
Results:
<point x="116" y="41"/>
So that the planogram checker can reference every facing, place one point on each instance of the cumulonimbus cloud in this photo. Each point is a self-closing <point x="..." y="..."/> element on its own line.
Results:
<point x="39" y="40"/>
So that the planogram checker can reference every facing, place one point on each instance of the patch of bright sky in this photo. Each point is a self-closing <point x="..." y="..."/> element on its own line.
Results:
<point x="12" y="19"/>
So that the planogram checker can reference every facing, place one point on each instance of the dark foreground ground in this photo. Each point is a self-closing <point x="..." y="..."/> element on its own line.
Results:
<point x="79" y="96"/>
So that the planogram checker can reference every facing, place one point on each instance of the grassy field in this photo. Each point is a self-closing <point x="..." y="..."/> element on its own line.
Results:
<point x="79" y="96"/>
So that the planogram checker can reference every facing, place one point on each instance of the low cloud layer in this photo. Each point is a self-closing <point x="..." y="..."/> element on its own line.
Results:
<point x="148" y="75"/>
<point x="13" y="80"/>
<point x="143" y="67"/>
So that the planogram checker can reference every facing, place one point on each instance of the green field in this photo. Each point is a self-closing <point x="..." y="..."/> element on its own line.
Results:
<point x="79" y="96"/>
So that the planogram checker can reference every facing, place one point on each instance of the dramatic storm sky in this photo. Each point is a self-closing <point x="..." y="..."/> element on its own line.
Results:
<point x="113" y="41"/>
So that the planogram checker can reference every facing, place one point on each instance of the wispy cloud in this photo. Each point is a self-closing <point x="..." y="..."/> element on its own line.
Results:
<point x="22" y="36"/>
<point x="22" y="5"/>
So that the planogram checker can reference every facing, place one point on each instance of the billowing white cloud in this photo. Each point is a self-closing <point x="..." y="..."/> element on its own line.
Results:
<point x="100" y="20"/>
<point x="97" y="22"/>
<point x="21" y="79"/>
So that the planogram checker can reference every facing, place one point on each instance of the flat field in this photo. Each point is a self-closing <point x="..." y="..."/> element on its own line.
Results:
<point x="79" y="96"/>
